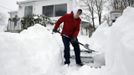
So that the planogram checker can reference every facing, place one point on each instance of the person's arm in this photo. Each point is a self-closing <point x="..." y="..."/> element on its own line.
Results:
<point x="60" y="20"/>
<point x="76" y="31"/>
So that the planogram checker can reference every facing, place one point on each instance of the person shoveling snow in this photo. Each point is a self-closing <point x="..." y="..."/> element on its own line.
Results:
<point x="71" y="28"/>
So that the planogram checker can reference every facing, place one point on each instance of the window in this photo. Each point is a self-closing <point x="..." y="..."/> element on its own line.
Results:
<point x="55" y="10"/>
<point x="60" y="10"/>
<point x="48" y="10"/>
<point x="28" y="10"/>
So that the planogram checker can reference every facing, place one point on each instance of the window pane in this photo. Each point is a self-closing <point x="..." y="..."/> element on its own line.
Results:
<point x="28" y="10"/>
<point x="48" y="10"/>
<point x="60" y="10"/>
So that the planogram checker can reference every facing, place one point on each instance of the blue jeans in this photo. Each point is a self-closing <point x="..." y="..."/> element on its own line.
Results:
<point x="66" y="42"/>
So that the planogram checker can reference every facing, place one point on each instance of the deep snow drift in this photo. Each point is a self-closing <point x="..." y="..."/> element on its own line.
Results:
<point x="117" y="43"/>
<point x="32" y="52"/>
<point x="37" y="52"/>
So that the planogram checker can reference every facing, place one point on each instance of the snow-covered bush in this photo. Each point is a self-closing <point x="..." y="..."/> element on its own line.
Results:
<point x="28" y="21"/>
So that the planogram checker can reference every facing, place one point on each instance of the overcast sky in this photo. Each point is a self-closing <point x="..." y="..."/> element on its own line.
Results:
<point x="8" y="5"/>
<point x="5" y="7"/>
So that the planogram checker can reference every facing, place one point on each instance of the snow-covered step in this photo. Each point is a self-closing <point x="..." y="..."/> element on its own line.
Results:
<point x="94" y="59"/>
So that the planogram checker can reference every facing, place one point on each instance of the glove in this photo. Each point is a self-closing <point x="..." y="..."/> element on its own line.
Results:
<point x="54" y="30"/>
<point x="74" y="40"/>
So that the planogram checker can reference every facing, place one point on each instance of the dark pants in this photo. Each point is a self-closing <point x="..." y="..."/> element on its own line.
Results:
<point x="67" y="42"/>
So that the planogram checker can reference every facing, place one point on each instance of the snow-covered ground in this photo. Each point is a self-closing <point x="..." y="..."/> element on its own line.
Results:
<point x="36" y="51"/>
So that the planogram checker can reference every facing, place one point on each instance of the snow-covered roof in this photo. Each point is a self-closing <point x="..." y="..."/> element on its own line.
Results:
<point x="26" y="1"/>
<point x="116" y="11"/>
<point x="13" y="12"/>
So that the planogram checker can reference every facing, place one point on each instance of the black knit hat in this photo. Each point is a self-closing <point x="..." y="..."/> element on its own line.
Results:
<point x="80" y="10"/>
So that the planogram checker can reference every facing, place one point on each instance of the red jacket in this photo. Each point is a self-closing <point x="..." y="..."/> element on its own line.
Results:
<point x="71" y="26"/>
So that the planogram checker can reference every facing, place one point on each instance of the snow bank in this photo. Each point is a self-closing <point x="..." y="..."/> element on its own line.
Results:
<point x="36" y="51"/>
<point x="117" y="43"/>
<point x="32" y="52"/>
<point x="2" y="28"/>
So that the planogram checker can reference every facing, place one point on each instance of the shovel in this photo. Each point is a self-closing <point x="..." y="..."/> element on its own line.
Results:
<point x="86" y="46"/>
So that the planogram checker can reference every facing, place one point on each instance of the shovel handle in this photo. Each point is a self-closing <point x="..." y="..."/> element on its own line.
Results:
<point x="77" y="41"/>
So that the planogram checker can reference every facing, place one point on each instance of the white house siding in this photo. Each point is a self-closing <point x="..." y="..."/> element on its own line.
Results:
<point x="37" y="6"/>
<point x="13" y="14"/>
<point x="40" y="4"/>
<point x="21" y="10"/>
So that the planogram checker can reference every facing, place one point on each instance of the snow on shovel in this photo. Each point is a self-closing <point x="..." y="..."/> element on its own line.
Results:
<point x="86" y="46"/>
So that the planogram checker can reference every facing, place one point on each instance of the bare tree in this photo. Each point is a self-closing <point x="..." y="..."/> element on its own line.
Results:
<point x="121" y="4"/>
<point x="90" y="5"/>
<point x="99" y="8"/>
<point x="130" y="2"/>
<point x="95" y="9"/>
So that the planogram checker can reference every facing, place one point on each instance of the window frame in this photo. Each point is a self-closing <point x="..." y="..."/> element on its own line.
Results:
<point x="54" y="9"/>
<point x="60" y="5"/>
<point x="25" y="11"/>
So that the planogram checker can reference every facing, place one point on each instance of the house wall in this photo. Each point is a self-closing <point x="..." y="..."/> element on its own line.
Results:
<point x="21" y="10"/>
<point x="115" y="15"/>
<point x="13" y="14"/>
<point x="37" y="6"/>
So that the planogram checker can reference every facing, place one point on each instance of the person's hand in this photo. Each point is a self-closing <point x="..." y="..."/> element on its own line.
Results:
<point x="54" y="30"/>
<point x="74" y="40"/>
